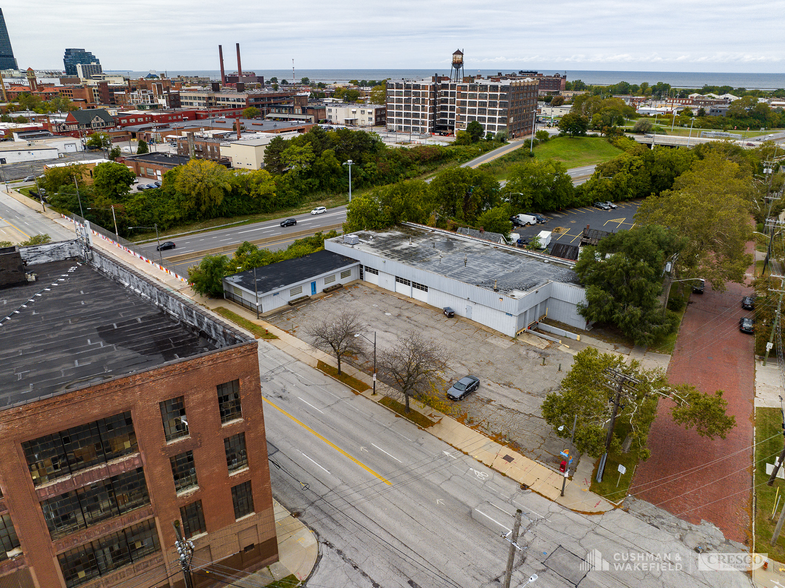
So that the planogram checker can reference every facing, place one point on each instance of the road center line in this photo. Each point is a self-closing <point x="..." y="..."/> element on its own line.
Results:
<point x="317" y="463"/>
<point x="330" y="443"/>
<point x="309" y="404"/>
<point x="383" y="451"/>
<point x="494" y="520"/>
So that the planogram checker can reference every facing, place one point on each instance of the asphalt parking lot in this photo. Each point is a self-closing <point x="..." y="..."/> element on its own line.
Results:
<point x="515" y="376"/>
<point x="568" y="225"/>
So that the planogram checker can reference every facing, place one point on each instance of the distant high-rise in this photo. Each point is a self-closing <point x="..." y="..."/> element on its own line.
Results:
<point x="75" y="56"/>
<point x="7" y="59"/>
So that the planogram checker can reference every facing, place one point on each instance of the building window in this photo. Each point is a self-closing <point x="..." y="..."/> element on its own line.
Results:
<point x="346" y="274"/>
<point x="370" y="270"/>
<point x="236" y="457"/>
<point x="229" y="401"/>
<point x="242" y="499"/>
<point x="329" y="279"/>
<point x="173" y="417"/>
<point x="296" y="291"/>
<point x="9" y="541"/>
<point x="69" y="451"/>
<point x="109" y="553"/>
<point x="183" y="471"/>
<point x="420" y="286"/>
<point x="193" y="519"/>
<point x="403" y="281"/>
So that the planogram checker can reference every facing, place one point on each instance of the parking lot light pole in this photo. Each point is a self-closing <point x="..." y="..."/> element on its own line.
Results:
<point x="349" y="162"/>
<point x="374" y="356"/>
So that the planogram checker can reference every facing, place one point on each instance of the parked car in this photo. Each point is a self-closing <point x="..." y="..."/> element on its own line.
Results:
<point x="463" y="387"/>
<point x="746" y="325"/>
<point x="289" y="222"/>
<point x="319" y="210"/>
<point x="166" y="245"/>
<point x="610" y="204"/>
<point x="698" y="286"/>
<point x="602" y="205"/>
<point x="143" y="187"/>
<point x="449" y="312"/>
<point x="156" y="184"/>
<point x="540" y="219"/>
<point x="748" y="303"/>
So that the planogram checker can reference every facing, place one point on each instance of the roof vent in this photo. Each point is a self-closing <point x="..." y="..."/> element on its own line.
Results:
<point x="351" y="239"/>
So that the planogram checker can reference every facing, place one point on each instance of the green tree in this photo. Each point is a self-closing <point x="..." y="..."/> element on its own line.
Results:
<point x="204" y="183"/>
<point x="273" y="160"/>
<point x="207" y="277"/>
<point x="251" y="112"/>
<point x="379" y="93"/>
<point x="305" y="81"/>
<point x="389" y="205"/>
<point x="463" y="193"/>
<point x="475" y="131"/>
<point x="541" y="185"/>
<point x="298" y="157"/>
<point x="642" y="125"/>
<point x="57" y="177"/>
<point x="273" y="80"/>
<point x="98" y="141"/>
<point x="142" y="147"/>
<point x="284" y="82"/>
<point x="113" y="181"/>
<point x="462" y="138"/>
<point x="573" y="124"/>
<point x="36" y="240"/>
<point x="495" y="220"/>
<point x="585" y="393"/>
<point x="622" y="276"/>
<point x="557" y="101"/>
<point x="62" y="104"/>
<point x="710" y="206"/>
<point x="114" y="153"/>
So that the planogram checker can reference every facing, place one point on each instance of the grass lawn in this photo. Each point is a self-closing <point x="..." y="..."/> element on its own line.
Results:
<point x="572" y="152"/>
<point x="768" y="445"/>
<point x="614" y="486"/>
<point x="668" y="342"/>
<point x="289" y="581"/>
<point x="414" y="416"/>
<point x="353" y="383"/>
<point x="259" y="332"/>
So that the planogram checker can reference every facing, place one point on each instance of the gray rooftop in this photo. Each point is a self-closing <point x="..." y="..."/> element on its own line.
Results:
<point x="73" y="327"/>
<point x="468" y="260"/>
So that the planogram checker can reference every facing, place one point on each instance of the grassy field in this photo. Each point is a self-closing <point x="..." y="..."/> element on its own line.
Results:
<point x="571" y="151"/>
<point x="259" y="332"/>
<point x="768" y="445"/>
<point x="414" y="416"/>
<point x="614" y="486"/>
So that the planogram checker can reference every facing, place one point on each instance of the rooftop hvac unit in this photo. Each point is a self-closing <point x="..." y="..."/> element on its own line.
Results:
<point x="351" y="239"/>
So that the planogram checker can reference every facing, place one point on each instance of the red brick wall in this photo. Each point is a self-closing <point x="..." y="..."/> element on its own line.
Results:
<point x="195" y="379"/>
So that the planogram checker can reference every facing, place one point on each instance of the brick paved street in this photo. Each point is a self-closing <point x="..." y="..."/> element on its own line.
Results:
<point x="688" y="475"/>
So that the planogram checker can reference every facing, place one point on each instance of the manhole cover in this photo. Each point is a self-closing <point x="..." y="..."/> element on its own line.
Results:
<point x="508" y="458"/>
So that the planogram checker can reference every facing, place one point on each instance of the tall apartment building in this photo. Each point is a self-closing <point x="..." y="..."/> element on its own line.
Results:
<point x="86" y="70"/>
<point x="440" y="105"/>
<point x="124" y="409"/>
<point x="7" y="59"/>
<point x="73" y="56"/>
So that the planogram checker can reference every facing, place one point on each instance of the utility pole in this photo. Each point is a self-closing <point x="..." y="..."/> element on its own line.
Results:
<point x="775" y="325"/>
<point x="185" y="548"/>
<point x="622" y="381"/>
<point x="513" y="547"/>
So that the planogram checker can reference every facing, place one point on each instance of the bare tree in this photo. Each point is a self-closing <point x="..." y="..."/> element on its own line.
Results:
<point x="337" y="335"/>
<point x="412" y="363"/>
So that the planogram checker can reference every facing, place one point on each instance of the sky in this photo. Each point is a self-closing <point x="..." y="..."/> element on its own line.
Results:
<point x="613" y="35"/>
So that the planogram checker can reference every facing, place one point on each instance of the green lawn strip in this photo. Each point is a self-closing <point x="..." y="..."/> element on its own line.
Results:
<point x="768" y="445"/>
<point x="414" y="416"/>
<point x="353" y="383"/>
<point x="668" y="342"/>
<point x="289" y="581"/>
<point x="259" y="332"/>
<point x="612" y="486"/>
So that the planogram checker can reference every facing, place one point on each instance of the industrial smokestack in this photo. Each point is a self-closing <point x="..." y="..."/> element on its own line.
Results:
<point x="239" y="66"/>
<point x="221" y="58"/>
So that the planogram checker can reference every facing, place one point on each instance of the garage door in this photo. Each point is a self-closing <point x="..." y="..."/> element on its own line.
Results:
<point x="420" y="292"/>
<point x="403" y="286"/>
<point x="371" y="275"/>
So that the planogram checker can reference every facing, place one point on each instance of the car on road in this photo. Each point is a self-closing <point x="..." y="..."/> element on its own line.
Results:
<point x="602" y="205"/>
<point x="449" y="312"/>
<point x="166" y="245"/>
<point x="289" y="222"/>
<point x="748" y="303"/>
<point x="746" y="325"/>
<point x="462" y="387"/>
<point x="698" y="286"/>
<point x="29" y="179"/>
<point x="319" y="210"/>
<point x="611" y="204"/>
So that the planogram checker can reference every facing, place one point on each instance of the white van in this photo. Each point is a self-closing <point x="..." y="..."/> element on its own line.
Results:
<point x="525" y="219"/>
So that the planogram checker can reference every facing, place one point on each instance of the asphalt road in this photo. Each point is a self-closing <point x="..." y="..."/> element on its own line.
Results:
<point x="18" y="222"/>
<point x="393" y="506"/>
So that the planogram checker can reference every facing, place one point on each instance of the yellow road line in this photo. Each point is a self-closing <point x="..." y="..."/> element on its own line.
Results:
<point x="330" y="443"/>
<point x="17" y="228"/>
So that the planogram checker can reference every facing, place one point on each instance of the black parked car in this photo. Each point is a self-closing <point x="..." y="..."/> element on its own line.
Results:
<point x="746" y="325"/>
<point x="540" y="219"/>
<point x="748" y="303"/>
<point x="698" y="286"/>
<point x="449" y="312"/>
<point x="463" y="387"/>
<point x="289" y="222"/>
<point x="166" y="245"/>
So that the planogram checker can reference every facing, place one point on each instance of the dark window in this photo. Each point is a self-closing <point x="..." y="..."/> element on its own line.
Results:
<point x="130" y="490"/>
<point x="242" y="498"/>
<point x="45" y="458"/>
<point x="236" y="457"/>
<point x="173" y="417"/>
<point x="229" y="401"/>
<point x="8" y="539"/>
<point x="109" y="553"/>
<point x="97" y="503"/>
<point x="183" y="471"/>
<point x="63" y="514"/>
<point x="371" y="270"/>
<point x="193" y="519"/>
<point x="82" y="446"/>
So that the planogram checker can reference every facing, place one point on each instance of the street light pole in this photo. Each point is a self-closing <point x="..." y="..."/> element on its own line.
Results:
<point x="349" y="162"/>
<point x="256" y="292"/>
<point x="78" y="197"/>
<point x="374" y="356"/>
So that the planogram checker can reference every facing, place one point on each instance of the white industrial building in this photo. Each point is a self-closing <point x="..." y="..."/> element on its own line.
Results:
<point x="501" y="287"/>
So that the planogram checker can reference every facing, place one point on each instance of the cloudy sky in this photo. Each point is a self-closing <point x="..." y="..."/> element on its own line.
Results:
<point x="171" y="35"/>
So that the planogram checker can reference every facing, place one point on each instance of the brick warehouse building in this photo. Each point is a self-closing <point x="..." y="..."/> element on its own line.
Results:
<point x="124" y="408"/>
